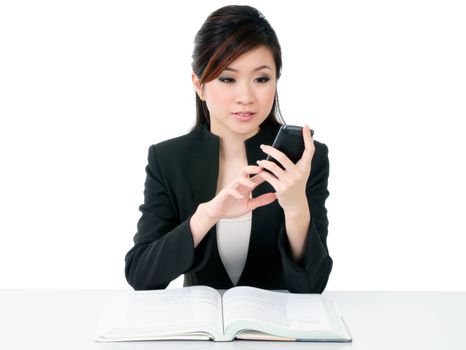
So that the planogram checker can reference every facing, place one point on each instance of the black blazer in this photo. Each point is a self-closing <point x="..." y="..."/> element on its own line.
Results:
<point x="181" y="174"/>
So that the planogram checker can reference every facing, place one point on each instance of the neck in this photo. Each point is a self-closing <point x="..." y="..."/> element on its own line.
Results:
<point x="231" y="143"/>
<point x="232" y="146"/>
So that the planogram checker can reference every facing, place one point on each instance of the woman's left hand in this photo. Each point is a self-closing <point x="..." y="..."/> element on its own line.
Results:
<point x="290" y="182"/>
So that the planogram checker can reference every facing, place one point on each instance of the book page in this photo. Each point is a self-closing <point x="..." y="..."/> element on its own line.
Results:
<point x="144" y="314"/>
<point x="279" y="313"/>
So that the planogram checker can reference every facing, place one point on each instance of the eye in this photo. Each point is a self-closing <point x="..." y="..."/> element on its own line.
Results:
<point x="226" y="80"/>
<point x="262" y="80"/>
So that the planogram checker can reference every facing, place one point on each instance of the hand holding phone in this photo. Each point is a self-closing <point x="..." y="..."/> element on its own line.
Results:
<point x="289" y="140"/>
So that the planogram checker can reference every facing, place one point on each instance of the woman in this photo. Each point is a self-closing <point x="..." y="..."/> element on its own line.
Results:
<point x="211" y="211"/>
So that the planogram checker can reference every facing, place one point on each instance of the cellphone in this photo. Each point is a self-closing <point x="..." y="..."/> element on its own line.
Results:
<point x="289" y="140"/>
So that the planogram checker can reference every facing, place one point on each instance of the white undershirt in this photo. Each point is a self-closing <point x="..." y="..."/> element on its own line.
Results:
<point x="233" y="243"/>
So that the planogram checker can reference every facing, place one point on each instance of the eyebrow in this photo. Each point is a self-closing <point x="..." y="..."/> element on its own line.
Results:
<point x="256" y="69"/>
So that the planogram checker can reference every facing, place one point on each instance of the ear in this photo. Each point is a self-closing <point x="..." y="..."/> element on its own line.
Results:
<point x="198" y="86"/>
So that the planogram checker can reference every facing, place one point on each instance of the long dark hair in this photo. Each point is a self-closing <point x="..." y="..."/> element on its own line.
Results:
<point x="226" y="34"/>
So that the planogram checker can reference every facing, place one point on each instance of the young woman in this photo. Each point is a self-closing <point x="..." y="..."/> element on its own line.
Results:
<point x="211" y="210"/>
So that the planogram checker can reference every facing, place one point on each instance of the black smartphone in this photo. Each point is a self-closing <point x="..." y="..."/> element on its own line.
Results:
<point x="289" y="140"/>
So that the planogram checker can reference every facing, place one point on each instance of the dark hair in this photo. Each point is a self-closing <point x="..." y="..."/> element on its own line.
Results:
<point x="226" y="34"/>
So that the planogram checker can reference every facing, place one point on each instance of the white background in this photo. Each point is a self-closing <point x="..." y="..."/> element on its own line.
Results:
<point x="87" y="86"/>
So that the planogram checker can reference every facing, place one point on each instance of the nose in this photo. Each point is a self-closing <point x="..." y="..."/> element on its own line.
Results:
<point x="244" y="94"/>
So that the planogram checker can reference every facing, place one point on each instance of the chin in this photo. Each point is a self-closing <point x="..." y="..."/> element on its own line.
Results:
<point x="245" y="129"/>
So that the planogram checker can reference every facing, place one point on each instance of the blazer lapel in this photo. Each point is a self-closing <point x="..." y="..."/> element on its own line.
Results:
<point x="205" y="167"/>
<point x="256" y="239"/>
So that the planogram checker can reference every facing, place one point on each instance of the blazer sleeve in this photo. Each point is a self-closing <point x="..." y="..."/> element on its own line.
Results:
<point x="311" y="275"/>
<point x="163" y="245"/>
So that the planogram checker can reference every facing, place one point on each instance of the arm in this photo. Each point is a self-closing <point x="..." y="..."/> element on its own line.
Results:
<point x="163" y="245"/>
<point x="297" y="227"/>
<point x="311" y="273"/>
<point x="302" y="191"/>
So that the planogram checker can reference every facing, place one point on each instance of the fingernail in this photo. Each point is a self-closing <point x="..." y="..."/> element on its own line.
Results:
<point x="262" y="146"/>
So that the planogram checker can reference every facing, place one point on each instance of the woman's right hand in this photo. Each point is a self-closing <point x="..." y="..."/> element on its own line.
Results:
<point x="235" y="199"/>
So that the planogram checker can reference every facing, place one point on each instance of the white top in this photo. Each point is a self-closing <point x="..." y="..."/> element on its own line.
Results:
<point x="233" y="244"/>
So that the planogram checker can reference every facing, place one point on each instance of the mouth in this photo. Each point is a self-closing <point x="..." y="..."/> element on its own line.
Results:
<point x="244" y="116"/>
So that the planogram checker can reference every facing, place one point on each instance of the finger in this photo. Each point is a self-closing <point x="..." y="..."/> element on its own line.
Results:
<point x="278" y="155"/>
<point x="262" y="200"/>
<point x="234" y="193"/>
<point x="271" y="179"/>
<point x="250" y="170"/>
<point x="307" y="136"/>
<point x="257" y="179"/>
<point x="243" y="181"/>
<point x="272" y="167"/>
<point x="309" y="147"/>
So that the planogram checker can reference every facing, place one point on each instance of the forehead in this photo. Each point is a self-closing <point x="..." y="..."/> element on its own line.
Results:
<point x="251" y="60"/>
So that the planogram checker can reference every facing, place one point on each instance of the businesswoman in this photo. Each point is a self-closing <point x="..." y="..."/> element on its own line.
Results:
<point x="214" y="209"/>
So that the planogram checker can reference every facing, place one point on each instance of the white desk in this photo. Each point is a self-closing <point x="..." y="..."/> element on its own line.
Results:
<point x="67" y="319"/>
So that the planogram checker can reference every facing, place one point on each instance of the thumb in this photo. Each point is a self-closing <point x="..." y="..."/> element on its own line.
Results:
<point x="262" y="200"/>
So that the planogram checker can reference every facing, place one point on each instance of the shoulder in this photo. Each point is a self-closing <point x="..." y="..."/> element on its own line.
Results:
<point x="179" y="142"/>
<point x="184" y="154"/>
<point x="178" y="147"/>
<point x="320" y="168"/>
<point x="320" y="160"/>
<point x="321" y="150"/>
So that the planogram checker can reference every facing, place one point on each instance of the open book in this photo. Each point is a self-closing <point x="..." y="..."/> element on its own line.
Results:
<point x="203" y="313"/>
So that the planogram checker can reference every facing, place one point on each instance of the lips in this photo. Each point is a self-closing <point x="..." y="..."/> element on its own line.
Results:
<point x="244" y="116"/>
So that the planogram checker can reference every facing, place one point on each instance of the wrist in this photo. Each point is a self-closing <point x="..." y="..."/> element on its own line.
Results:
<point x="206" y="215"/>
<point x="200" y="224"/>
<point x="298" y="210"/>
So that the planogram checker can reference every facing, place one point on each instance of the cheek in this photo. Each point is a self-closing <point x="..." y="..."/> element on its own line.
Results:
<point x="268" y="96"/>
<point x="218" y="99"/>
